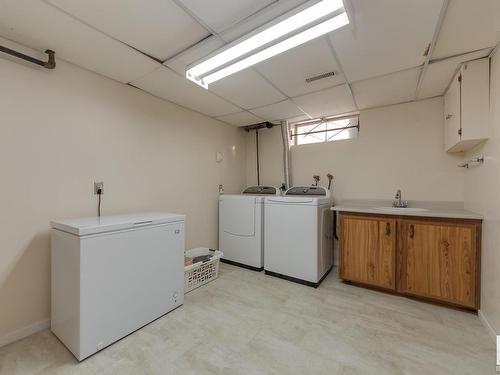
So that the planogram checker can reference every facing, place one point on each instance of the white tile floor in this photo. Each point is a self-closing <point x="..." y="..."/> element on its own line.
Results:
<point x="249" y="323"/>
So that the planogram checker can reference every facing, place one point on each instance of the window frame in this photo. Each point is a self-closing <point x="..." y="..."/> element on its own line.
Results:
<point x="294" y="128"/>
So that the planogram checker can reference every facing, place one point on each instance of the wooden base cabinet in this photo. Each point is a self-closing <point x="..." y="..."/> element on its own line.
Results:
<point x="440" y="261"/>
<point x="368" y="251"/>
<point x="434" y="259"/>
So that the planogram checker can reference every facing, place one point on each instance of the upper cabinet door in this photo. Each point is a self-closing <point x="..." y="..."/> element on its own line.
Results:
<point x="467" y="106"/>
<point x="452" y="113"/>
<point x="475" y="100"/>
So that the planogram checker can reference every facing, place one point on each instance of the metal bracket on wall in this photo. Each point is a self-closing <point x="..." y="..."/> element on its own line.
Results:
<point x="49" y="64"/>
<point x="478" y="160"/>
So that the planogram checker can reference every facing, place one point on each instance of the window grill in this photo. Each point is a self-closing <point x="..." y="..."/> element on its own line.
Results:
<point x="324" y="130"/>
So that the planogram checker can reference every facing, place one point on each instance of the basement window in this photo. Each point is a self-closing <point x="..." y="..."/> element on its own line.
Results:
<point x="324" y="130"/>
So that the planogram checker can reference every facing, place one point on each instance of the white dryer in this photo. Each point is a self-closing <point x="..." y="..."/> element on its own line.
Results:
<point x="299" y="235"/>
<point x="241" y="219"/>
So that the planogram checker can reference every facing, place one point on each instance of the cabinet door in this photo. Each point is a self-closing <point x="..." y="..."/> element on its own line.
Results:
<point x="368" y="250"/>
<point x="440" y="261"/>
<point x="452" y="114"/>
<point x="475" y="88"/>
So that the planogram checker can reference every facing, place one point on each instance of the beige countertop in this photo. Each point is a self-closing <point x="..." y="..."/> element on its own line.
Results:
<point x="451" y="210"/>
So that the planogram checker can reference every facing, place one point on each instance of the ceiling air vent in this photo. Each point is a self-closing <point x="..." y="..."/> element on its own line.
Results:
<point x="318" y="77"/>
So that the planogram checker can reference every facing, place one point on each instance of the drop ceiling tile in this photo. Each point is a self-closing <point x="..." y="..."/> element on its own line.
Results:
<point x="329" y="102"/>
<point x="159" y="28"/>
<point x="222" y="14"/>
<point x="241" y="119"/>
<point x="385" y="36"/>
<point x="277" y="9"/>
<point x="279" y="111"/>
<point x="439" y="74"/>
<point x="247" y="89"/>
<point x="289" y="70"/>
<point x="41" y="26"/>
<point x="390" y="89"/>
<point x="168" y="85"/>
<point x="468" y="26"/>
<point x="193" y="54"/>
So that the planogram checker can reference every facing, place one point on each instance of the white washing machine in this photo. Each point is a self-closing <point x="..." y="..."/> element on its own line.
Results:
<point x="241" y="227"/>
<point x="299" y="235"/>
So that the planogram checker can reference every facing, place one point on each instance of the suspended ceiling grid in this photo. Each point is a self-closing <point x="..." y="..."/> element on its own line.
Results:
<point x="378" y="59"/>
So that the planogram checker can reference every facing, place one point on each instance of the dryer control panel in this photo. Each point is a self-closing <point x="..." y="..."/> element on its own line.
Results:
<point x="262" y="190"/>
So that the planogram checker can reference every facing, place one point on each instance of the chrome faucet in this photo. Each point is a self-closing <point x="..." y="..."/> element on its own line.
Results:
<point x="399" y="203"/>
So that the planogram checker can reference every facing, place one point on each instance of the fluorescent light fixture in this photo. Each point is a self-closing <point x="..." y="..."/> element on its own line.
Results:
<point x="294" y="41"/>
<point x="294" y="23"/>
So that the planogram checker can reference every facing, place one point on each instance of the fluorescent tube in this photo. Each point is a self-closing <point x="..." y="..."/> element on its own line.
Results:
<point x="297" y="21"/>
<point x="294" y="41"/>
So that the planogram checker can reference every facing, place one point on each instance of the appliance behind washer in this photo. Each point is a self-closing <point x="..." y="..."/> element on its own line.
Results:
<point x="298" y="239"/>
<point x="241" y="219"/>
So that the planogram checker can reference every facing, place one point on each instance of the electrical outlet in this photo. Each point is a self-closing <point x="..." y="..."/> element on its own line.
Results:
<point x="97" y="186"/>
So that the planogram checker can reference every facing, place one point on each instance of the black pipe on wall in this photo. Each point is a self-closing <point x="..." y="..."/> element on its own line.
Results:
<point x="49" y="64"/>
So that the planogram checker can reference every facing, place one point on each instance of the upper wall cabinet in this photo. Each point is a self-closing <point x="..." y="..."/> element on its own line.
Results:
<point x="466" y="107"/>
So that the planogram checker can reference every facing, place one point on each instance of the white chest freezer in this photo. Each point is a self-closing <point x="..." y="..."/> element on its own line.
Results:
<point x="112" y="275"/>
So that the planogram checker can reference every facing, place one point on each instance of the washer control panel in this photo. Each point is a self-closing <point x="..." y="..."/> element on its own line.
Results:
<point x="307" y="190"/>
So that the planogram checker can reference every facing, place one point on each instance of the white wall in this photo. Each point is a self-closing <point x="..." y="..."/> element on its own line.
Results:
<point x="270" y="157"/>
<point x="399" y="146"/>
<point x="61" y="130"/>
<point x="482" y="195"/>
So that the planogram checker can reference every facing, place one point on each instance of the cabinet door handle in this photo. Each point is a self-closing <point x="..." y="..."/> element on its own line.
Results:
<point x="388" y="229"/>
<point x="459" y="131"/>
<point x="412" y="231"/>
<point x="448" y="116"/>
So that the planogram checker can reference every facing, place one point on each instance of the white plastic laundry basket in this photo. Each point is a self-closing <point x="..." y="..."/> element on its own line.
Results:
<point x="200" y="273"/>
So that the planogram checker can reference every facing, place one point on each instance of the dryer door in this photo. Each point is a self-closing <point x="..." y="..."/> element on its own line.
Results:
<point x="238" y="215"/>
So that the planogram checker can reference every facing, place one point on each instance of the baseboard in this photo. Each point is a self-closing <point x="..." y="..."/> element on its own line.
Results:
<point x="24" y="332"/>
<point x="487" y="325"/>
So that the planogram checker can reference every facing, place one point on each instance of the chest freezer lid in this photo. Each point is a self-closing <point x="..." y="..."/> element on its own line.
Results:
<point x="94" y="225"/>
